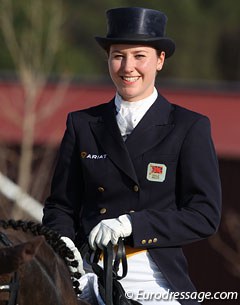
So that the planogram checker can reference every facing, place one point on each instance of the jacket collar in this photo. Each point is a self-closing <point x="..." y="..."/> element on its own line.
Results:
<point x="151" y="130"/>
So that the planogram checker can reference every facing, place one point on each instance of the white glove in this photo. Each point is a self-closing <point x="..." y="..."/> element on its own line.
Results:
<point x="77" y="256"/>
<point x="110" y="230"/>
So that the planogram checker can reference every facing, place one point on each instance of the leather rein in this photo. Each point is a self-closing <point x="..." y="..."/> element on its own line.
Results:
<point x="13" y="285"/>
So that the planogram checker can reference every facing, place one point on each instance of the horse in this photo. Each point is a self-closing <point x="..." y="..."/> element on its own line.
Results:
<point x="33" y="266"/>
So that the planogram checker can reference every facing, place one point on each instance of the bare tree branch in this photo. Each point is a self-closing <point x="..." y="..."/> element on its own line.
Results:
<point x="40" y="183"/>
<point x="53" y="34"/>
<point x="33" y="47"/>
<point x="55" y="101"/>
<point x="6" y="17"/>
<point x="7" y="110"/>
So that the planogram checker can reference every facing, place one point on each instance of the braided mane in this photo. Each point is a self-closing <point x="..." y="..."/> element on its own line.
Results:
<point x="53" y="239"/>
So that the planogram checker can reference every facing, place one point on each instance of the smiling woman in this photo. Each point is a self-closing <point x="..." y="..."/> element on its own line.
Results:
<point x="133" y="70"/>
<point x="158" y="184"/>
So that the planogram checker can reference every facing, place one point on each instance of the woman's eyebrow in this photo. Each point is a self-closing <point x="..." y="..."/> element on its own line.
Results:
<point x="134" y="52"/>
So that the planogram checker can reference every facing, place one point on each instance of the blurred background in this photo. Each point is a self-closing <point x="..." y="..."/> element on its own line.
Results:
<point x="50" y="65"/>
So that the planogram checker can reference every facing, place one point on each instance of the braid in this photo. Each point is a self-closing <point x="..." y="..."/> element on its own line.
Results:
<point x="53" y="239"/>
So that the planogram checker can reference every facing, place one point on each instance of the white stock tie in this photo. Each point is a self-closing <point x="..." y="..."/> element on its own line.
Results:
<point x="129" y="114"/>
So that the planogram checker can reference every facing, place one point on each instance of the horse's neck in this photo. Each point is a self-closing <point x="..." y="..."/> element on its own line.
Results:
<point x="44" y="278"/>
<point x="16" y="236"/>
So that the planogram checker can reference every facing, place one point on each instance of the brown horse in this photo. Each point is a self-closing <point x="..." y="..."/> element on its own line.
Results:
<point x="32" y="266"/>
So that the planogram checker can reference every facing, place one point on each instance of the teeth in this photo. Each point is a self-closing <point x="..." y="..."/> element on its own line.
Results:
<point x="131" y="79"/>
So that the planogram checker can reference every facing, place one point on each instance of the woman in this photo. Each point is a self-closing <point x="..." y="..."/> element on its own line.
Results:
<point x="138" y="166"/>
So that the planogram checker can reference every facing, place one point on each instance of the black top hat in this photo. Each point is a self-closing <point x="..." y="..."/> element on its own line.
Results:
<point x="136" y="25"/>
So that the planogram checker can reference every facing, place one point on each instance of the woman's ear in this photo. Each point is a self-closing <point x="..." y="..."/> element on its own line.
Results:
<point x="160" y="62"/>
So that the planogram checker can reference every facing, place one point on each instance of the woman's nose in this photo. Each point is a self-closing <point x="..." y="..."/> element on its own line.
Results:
<point x="128" y="65"/>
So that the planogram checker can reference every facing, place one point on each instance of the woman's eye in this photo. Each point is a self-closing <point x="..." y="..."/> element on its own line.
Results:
<point x="118" y="56"/>
<point x="139" y="56"/>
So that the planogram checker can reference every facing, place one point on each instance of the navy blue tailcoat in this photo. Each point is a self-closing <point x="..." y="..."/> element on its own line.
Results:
<point x="165" y="175"/>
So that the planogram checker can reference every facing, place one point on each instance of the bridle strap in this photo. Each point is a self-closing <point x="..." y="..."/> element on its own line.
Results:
<point x="12" y="287"/>
<point x="5" y="240"/>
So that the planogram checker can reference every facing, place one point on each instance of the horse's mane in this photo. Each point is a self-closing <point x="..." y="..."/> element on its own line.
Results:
<point x="53" y="239"/>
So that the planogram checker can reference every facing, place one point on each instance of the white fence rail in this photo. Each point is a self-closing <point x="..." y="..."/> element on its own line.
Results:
<point x="24" y="201"/>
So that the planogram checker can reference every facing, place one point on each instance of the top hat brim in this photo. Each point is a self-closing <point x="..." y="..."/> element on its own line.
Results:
<point x="163" y="43"/>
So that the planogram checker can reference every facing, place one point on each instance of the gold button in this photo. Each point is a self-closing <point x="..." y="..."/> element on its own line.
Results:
<point x="155" y="240"/>
<point x="136" y="188"/>
<point x="131" y="211"/>
<point x="101" y="189"/>
<point x="150" y="241"/>
<point x="143" y="242"/>
<point x="103" y="210"/>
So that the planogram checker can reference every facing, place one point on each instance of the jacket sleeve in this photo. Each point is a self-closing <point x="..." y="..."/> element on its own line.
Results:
<point x="64" y="203"/>
<point x="198" y="197"/>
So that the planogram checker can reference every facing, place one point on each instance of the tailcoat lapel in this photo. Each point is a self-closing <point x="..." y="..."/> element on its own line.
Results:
<point x="150" y="131"/>
<point x="107" y="132"/>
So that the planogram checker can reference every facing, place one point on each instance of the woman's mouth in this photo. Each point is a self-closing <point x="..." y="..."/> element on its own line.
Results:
<point x="131" y="79"/>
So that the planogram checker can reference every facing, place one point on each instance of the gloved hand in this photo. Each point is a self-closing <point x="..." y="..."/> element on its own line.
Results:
<point x="77" y="256"/>
<point x="110" y="230"/>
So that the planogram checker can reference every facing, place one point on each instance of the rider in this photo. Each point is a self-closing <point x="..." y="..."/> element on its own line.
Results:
<point x="138" y="166"/>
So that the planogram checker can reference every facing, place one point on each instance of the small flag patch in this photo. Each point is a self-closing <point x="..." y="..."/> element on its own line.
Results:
<point x="156" y="172"/>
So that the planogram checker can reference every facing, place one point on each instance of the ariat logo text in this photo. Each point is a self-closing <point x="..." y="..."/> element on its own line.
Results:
<point x="96" y="157"/>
